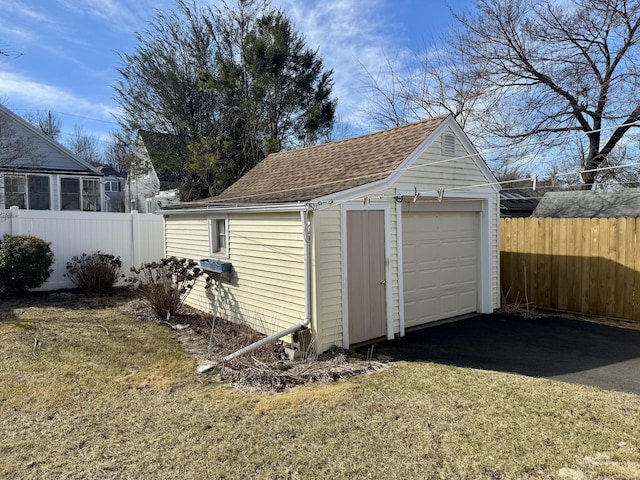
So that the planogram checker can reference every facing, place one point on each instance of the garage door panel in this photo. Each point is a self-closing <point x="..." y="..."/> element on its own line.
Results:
<point x="440" y="265"/>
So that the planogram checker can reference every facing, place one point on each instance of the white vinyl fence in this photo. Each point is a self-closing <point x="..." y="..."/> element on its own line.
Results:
<point x="135" y="238"/>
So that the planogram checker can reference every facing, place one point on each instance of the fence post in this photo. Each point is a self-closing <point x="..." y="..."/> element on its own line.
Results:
<point x="135" y="238"/>
<point x="14" y="220"/>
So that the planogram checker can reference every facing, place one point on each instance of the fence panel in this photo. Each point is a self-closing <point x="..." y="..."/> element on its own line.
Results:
<point x="135" y="238"/>
<point x="580" y="265"/>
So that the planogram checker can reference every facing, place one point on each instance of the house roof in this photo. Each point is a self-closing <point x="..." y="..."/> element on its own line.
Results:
<point x="109" y="171"/>
<point x="589" y="204"/>
<point x="43" y="148"/>
<point x="517" y="203"/>
<point x="305" y="174"/>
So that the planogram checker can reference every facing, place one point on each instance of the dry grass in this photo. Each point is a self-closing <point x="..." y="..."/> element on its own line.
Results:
<point x="94" y="393"/>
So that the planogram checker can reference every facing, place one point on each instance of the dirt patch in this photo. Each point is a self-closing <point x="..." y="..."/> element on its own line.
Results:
<point x="518" y="310"/>
<point x="267" y="368"/>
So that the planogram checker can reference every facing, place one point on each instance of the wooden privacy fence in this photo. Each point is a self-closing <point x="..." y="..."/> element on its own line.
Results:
<point x="583" y="265"/>
<point x="135" y="238"/>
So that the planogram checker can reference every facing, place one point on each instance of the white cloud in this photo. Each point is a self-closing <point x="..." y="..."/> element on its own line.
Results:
<point x="119" y="15"/>
<point x="351" y="36"/>
<point x="23" y="91"/>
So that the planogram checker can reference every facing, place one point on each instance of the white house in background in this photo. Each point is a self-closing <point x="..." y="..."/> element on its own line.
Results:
<point x="114" y="188"/>
<point x="359" y="240"/>
<point x="37" y="173"/>
<point x="146" y="190"/>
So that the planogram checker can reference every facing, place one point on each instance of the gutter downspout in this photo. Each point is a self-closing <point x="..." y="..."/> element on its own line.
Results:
<point x="306" y="232"/>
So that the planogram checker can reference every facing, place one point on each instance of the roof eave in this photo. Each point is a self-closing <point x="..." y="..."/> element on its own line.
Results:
<point x="241" y="208"/>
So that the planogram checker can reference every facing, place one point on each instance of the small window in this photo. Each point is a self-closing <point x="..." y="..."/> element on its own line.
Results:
<point x="15" y="191"/>
<point x="39" y="192"/>
<point x="90" y="195"/>
<point x="70" y="194"/>
<point x="80" y="194"/>
<point x="448" y="144"/>
<point x="111" y="186"/>
<point x="218" y="236"/>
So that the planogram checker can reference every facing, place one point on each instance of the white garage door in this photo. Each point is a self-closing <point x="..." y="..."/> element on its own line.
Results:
<point x="440" y="261"/>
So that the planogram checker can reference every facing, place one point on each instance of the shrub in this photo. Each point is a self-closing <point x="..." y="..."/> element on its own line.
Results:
<point x="165" y="284"/>
<point x="25" y="262"/>
<point x="97" y="272"/>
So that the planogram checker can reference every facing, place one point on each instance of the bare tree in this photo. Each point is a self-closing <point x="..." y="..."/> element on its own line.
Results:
<point x="48" y="123"/>
<point x="558" y="70"/>
<point x="85" y="146"/>
<point x="14" y="146"/>
<point x="430" y="82"/>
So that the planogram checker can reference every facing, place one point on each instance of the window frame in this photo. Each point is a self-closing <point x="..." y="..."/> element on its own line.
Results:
<point x="47" y="194"/>
<point x="215" y="249"/>
<point x="82" y="196"/>
<point x="27" y="199"/>
<point x="87" y="197"/>
<point x="108" y="186"/>
<point x="24" y="202"/>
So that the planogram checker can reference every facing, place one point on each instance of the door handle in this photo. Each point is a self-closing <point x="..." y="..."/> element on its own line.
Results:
<point x="383" y="282"/>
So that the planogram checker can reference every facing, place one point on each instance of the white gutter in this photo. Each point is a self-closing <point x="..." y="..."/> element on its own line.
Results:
<point x="286" y="207"/>
<point x="306" y="232"/>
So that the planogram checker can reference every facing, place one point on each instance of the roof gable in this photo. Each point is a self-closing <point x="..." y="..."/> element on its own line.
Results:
<point x="314" y="172"/>
<point x="41" y="151"/>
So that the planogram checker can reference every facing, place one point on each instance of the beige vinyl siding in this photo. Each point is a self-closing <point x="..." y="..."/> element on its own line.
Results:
<point x="327" y="280"/>
<point x="266" y="286"/>
<point x="453" y="171"/>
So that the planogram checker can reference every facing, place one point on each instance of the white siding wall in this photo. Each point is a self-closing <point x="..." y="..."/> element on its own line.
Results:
<point x="266" y="286"/>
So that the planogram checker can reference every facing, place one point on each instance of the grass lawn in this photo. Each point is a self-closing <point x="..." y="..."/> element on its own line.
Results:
<point x="94" y="393"/>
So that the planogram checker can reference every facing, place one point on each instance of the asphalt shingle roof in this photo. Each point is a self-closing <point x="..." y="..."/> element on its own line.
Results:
<point x="305" y="174"/>
<point x="588" y="204"/>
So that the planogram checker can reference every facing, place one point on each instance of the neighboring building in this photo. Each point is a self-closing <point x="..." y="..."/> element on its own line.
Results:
<point x="152" y="182"/>
<point x="360" y="239"/>
<point x="515" y="203"/>
<point x="590" y="204"/>
<point x="37" y="173"/>
<point x="114" y="188"/>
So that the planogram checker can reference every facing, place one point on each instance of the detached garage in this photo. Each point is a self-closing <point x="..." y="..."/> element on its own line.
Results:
<point x="355" y="240"/>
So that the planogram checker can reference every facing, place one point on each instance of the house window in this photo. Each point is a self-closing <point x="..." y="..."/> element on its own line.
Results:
<point x="80" y="192"/>
<point x="219" y="236"/>
<point x="90" y="195"/>
<point x="70" y="194"/>
<point x="15" y="191"/>
<point x="27" y="191"/>
<point x="448" y="144"/>
<point x="112" y="186"/>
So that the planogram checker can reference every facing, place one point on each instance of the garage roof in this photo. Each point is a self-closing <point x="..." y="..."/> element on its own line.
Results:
<point x="305" y="174"/>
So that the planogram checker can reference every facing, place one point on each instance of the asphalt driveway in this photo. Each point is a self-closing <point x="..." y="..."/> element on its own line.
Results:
<point x="557" y="348"/>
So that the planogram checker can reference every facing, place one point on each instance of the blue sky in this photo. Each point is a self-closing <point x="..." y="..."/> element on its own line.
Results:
<point x="64" y="52"/>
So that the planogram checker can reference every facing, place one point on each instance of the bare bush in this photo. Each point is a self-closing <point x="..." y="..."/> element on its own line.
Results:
<point x="96" y="272"/>
<point x="165" y="284"/>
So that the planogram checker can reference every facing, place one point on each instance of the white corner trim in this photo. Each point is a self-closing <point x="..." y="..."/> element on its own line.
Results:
<point x="399" y="244"/>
